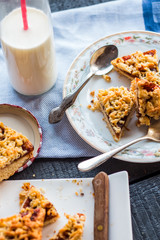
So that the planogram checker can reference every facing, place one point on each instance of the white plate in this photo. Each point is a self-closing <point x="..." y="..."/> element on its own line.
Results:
<point x="62" y="192"/>
<point x="23" y="121"/>
<point x="89" y="125"/>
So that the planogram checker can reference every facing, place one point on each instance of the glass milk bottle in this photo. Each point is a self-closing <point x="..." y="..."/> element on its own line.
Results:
<point x="28" y="45"/>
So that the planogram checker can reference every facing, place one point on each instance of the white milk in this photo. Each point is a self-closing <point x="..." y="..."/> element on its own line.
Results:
<point x="29" y="54"/>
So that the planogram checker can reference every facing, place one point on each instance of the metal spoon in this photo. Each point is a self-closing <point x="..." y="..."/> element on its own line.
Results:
<point x="100" y="64"/>
<point x="152" y="134"/>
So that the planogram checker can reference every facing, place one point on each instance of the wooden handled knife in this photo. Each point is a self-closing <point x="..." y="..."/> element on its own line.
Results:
<point x="101" y="206"/>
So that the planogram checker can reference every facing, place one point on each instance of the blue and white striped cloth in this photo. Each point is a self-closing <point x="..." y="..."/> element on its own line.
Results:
<point x="74" y="30"/>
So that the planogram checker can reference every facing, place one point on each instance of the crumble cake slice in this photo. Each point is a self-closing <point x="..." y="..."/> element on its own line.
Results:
<point x="15" y="151"/>
<point x="153" y="77"/>
<point x="117" y="106"/>
<point x="73" y="230"/>
<point x="31" y="197"/>
<point x="137" y="64"/>
<point x="147" y="95"/>
<point x="24" y="226"/>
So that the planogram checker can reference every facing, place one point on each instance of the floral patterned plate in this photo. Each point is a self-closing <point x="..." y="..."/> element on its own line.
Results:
<point x="89" y="125"/>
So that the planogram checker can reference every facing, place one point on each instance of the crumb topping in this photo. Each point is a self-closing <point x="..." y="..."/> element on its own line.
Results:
<point x="148" y="101"/>
<point x="117" y="104"/>
<point x="138" y="63"/>
<point x="23" y="226"/>
<point x="73" y="230"/>
<point x="153" y="77"/>
<point x="13" y="145"/>
<point x="31" y="197"/>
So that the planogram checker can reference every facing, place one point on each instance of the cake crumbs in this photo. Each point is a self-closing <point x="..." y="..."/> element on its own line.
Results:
<point x="89" y="106"/>
<point x="74" y="181"/>
<point x="106" y="77"/>
<point x="79" y="194"/>
<point x="78" y="182"/>
<point x="42" y="190"/>
<point x="92" y="93"/>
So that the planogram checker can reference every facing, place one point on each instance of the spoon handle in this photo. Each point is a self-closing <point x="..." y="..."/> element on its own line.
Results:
<point x="56" y="114"/>
<point x="94" y="162"/>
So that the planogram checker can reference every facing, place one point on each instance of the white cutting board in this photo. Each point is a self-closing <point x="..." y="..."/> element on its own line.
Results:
<point x="66" y="196"/>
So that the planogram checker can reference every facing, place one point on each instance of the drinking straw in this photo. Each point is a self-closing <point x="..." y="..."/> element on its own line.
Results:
<point x="24" y="14"/>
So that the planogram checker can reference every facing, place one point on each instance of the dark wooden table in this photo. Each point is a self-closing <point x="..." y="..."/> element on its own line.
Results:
<point x="144" y="178"/>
